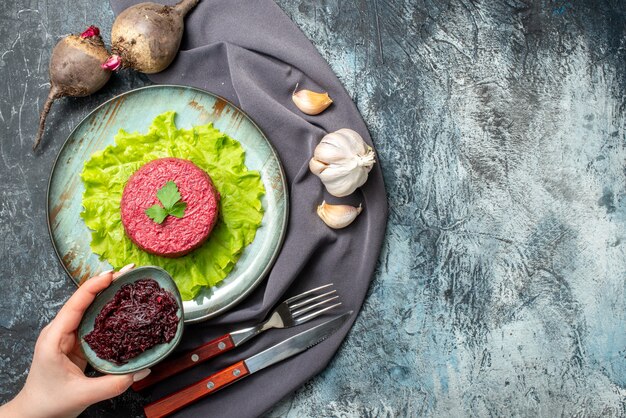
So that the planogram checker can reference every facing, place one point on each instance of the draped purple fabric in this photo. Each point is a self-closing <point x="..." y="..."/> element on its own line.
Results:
<point x="251" y="53"/>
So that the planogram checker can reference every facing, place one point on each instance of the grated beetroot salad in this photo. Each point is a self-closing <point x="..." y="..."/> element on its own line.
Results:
<point x="140" y="316"/>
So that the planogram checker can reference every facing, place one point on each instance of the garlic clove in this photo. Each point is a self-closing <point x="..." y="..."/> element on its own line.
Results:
<point x="310" y="102"/>
<point x="338" y="216"/>
<point x="329" y="151"/>
<point x="351" y="141"/>
<point x="342" y="180"/>
<point x="317" y="167"/>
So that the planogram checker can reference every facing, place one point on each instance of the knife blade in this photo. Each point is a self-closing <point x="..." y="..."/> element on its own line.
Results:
<point x="277" y="353"/>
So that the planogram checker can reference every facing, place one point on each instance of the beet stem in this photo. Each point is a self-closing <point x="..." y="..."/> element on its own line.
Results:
<point x="184" y="6"/>
<point x="52" y="96"/>
<point x="113" y="63"/>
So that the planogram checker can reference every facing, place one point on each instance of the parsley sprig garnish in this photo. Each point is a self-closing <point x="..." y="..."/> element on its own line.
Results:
<point x="169" y="196"/>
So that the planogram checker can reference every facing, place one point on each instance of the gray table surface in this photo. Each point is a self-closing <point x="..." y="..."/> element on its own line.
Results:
<point x="500" y="125"/>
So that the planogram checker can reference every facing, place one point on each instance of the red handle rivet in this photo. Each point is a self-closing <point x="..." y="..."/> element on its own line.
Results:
<point x="236" y="372"/>
<point x="210" y="385"/>
<point x="221" y="346"/>
<point x="194" y="358"/>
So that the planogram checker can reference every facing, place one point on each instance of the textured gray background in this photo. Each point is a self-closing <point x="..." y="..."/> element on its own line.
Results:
<point x="501" y="288"/>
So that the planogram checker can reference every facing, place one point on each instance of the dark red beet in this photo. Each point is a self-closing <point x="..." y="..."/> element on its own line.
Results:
<point x="90" y="31"/>
<point x="75" y="70"/>
<point x="146" y="36"/>
<point x="140" y="316"/>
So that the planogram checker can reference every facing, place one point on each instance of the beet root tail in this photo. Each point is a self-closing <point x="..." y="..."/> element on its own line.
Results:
<point x="52" y="96"/>
<point x="184" y="6"/>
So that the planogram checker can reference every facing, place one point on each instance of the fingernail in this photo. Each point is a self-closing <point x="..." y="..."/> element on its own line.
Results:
<point x="105" y="272"/>
<point x="127" y="267"/>
<point x="141" y="375"/>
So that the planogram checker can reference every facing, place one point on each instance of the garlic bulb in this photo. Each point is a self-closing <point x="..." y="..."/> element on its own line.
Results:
<point x="310" y="102"/>
<point x="338" y="216"/>
<point x="342" y="160"/>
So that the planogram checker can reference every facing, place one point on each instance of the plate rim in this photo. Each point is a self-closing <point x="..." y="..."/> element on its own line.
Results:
<point x="283" y="180"/>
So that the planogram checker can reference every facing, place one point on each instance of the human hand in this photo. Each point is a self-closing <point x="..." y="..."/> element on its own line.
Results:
<point x="56" y="386"/>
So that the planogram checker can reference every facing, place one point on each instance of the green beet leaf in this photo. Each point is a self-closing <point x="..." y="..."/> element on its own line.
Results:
<point x="157" y="213"/>
<point x="168" y="195"/>
<point x="178" y="209"/>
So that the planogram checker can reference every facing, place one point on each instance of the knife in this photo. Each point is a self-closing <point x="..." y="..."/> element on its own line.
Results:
<point x="279" y="352"/>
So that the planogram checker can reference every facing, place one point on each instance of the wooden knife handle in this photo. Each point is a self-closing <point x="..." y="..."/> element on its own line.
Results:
<point x="174" y="402"/>
<point x="172" y="366"/>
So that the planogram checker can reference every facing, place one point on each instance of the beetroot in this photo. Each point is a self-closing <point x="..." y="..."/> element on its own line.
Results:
<point x="140" y="316"/>
<point x="75" y="70"/>
<point x="146" y="36"/>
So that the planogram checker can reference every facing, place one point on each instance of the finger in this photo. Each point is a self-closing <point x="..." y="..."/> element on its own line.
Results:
<point x="68" y="318"/>
<point x="123" y="270"/>
<point x="96" y="389"/>
<point x="42" y="340"/>
<point x="78" y="359"/>
<point x="105" y="387"/>
<point x="45" y="330"/>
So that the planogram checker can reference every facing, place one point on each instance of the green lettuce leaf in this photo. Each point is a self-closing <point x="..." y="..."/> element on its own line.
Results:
<point x="222" y="157"/>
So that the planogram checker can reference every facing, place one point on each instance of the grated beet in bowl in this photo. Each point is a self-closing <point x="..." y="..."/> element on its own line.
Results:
<point x="140" y="316"/>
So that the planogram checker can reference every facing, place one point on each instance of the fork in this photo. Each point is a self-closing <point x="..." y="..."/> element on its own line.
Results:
<point x="289" y="313"/>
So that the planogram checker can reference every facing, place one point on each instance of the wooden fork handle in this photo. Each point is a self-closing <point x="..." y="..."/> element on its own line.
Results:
<point x="172" y="366"/>
<point x="178" y="400"/>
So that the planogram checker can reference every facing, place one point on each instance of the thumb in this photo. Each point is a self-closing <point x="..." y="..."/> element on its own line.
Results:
<point x="109" y="386"/>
